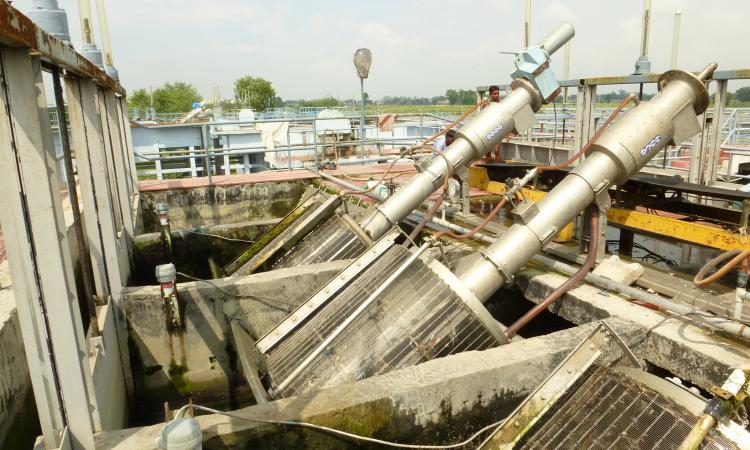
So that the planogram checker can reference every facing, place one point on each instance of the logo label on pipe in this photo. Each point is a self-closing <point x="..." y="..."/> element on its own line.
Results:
<point x="648" y="147"/>
<point x="494" y="132"/>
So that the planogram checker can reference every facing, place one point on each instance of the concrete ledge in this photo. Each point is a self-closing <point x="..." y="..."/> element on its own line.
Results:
<point x="699" y="355"/>
<point x="199" y="360"/>
<point x="17" y="411"/>
<point x="223" y="204"/>
<point x="440" y="401"/>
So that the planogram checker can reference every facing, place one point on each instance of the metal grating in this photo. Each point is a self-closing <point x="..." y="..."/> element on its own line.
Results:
<point x="418" y="318"/>
<point x="331" y="240"/>
<point x="605" y="409"/>
<point x="288" y="228"/>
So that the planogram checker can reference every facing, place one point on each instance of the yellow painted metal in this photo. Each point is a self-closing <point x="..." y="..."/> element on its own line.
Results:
<point x="691" y="232"/>
<point x="694" y="233"/>
<point x="565" y="235"/>
<point x="478" y="178"/>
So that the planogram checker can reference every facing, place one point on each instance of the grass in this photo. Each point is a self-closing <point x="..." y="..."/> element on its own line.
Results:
<point x="416" y="109"/>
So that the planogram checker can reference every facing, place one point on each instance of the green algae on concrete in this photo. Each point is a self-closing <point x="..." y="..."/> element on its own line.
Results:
<point x="381" y="419"/>
<point x="268" y="237"/>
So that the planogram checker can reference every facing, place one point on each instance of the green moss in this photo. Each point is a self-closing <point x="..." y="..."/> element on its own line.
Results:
<point x="381" y="419"/>
<point x="266" y="238"/>
<point x="177" y="375"/>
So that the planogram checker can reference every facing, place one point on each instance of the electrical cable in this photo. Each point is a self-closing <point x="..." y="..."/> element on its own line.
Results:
<point x="213" y="235"/>
<point x="401" y="154"/>
<point x="591" y="141"/>
<point x="336" y="432"/>
<point x="478" y="228"/>
<point x="290" y="305"/>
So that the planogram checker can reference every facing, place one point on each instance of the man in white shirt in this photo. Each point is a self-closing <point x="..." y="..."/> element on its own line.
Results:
<point x="444" y="141"/>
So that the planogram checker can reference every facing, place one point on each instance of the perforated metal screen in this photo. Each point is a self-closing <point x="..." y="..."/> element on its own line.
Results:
<point x="416" y="319"/>
<point x="606" y="410"/>
<point x="331" y="240"/>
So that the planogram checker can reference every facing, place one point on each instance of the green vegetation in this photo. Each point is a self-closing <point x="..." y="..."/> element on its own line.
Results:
<point x="742" y="94"/>
<point x="461" y="96"/>
<point x="325" y="102"/>
<point x="175" y="97"/>
<point x="254" y="92"/>
<point x="139" y="99"/>
<point x="259" y="94"/>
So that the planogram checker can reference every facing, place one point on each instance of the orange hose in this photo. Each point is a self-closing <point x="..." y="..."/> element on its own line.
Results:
<point x="567" y="285"/>
<point x="586" y="147"/>
<point x="737" y="257"/>
<point x="478" y="228"/>
<point x="422" y="144"/>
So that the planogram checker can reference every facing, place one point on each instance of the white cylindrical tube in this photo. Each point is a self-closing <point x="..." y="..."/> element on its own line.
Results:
<point x="558" y="37"/>
<point x="104" y="29"/>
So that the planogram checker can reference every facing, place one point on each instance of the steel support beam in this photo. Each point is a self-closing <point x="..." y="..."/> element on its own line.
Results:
<point x="714" y="143"/>
<point x="39" y="255"/>
<point x="697" y="153"/>
<point x="104" y="242"/>
<point x="122" y="179"/>
<point x="127" y="139"/>
<point x="585" y="105"/>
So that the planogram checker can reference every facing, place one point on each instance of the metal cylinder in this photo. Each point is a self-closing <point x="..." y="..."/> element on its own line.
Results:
<point x="557" y="38"/>
<point x="617" y="155"/>
<point x="472" y="142"/>
<point x="162" y="210"/>
<point x="51" y="18"/>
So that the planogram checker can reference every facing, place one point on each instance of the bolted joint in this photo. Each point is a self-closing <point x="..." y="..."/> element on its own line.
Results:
<point x="716" y="408"/>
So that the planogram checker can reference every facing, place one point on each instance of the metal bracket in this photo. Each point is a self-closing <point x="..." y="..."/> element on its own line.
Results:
<point x="354" y="226"/>
<point x="498" y="265"/>
<point x="97" y="342"/>
<point x="248" y="355"/>
<point x="525" y="212"/>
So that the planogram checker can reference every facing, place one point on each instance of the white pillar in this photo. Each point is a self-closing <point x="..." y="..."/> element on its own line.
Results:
<point x="39" y="256"/>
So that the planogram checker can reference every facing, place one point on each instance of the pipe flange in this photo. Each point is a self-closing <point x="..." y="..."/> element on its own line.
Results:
<point x="498" y="265"/>
<point x="536" y="97"/>
<point x="701" y="93"/>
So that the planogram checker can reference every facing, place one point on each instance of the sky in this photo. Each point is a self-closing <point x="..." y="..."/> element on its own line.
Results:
<point x="419" y="48"/>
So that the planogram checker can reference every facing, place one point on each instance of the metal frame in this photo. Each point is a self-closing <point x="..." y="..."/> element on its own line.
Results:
<point x="31" y="215"/>
<point x="327" y="292"/>
<point x="481" y="313"/>
<point x="556" y="384"/>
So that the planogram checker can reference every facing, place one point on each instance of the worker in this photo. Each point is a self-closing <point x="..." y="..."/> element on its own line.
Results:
<point x="493" y="98"/>
<point x="494" y="94"/>
<point x="444" y="141"/>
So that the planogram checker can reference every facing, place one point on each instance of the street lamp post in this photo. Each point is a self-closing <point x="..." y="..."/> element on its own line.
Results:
<point x="362" y="61"/>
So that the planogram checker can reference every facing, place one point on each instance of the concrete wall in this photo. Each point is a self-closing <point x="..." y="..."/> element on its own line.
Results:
<point x="198" y="360"/>
<point x="107" y="372"/>
<point x="16" y="400"/>
<point x="222" y="204"/>
<point x="438" y="402"/>
<point x="700" y="356"/>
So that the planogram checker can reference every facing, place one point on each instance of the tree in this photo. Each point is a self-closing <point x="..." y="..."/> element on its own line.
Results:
<point x="175" y="97"/>
<point x="254" y="92"/>
<point x="461" y="96"/>
<point x="742" y="94"/>
<point x="325" y="102"/>
<point x="139" y="99"/>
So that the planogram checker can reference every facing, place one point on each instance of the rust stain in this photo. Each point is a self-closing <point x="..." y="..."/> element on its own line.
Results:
<point x="17" y="30"/>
